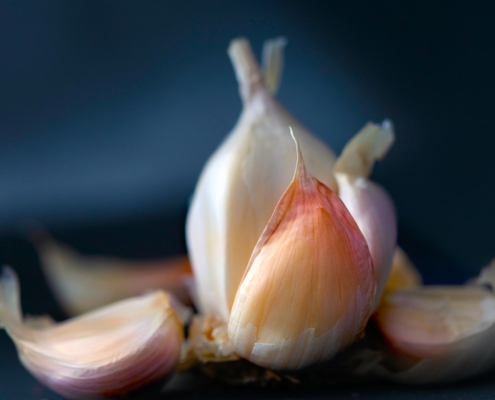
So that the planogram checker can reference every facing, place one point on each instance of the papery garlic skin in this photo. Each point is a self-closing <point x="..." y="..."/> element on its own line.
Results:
<point x="309" y="287"/>
<point x="208" y="340"/>
<point x="369" y="204"/>
<point x="108" y="352"/>
<point x="437" y="333"/>
<point x="83" y="283"/>
<point x="243" y="181"/>
<point x="272" y="62"/>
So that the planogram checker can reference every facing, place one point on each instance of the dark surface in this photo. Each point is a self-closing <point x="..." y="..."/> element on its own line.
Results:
<point x="162" y="236"/>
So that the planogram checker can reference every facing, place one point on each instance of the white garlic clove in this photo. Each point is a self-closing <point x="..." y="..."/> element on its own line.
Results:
<point x="243" y="181"/>
<point x="309" y="287"/>
<point x="82" y="283"/>
<point x="437" y="334"/>
<point x="369" y="204"/>
<point x="108" y="352"/>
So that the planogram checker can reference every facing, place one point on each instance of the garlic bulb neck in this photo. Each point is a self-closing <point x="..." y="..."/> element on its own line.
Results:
<point x="247" y="69"/>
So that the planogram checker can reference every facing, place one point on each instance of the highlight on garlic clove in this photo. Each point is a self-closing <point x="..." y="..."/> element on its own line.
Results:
<point x="82" y="283"/>
<point x="108" y="352"/>
<point x="437" y="333"/>
<point x="369" y="204"/>
<point x="243" y="180"/>
<point x="309" y="287"/>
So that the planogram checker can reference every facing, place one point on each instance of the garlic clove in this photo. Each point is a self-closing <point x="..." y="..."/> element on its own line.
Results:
<point x="82" y="283"/>
<point x="308" y="289"/>
<point x="108" y="352"/>
<point x="244" y="179"/>
<point x="437" y="334"/>
<point x="403" y="273"/>
<point x="369" y="204"/>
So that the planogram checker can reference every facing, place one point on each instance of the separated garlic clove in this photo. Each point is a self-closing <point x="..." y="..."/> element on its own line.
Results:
<point x="108" y="352"/>
<point x="437" y="334"/>
<point x="82" y="283"/>
<point x="308" y="289"/>
<point x="368" y="202"/>
<point x="244" y="179"/>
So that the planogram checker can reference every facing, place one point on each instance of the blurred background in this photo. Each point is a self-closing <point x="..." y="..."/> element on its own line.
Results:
<point x="109" y="109"/>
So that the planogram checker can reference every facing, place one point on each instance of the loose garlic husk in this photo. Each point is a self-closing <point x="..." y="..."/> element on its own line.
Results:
<point x="244" y="179"/>
<point x="438" y="333"/>
<point x="82" y="283"/>
<point x="309" y="287"/>
<point x="108" y="352"/>
<point x="369" y="204"/>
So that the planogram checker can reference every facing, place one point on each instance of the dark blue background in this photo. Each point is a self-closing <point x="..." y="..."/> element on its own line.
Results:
<point x="108" y="110"/>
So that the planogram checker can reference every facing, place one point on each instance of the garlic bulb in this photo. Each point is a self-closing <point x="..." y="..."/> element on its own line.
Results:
<point x="244" y="179"/>
<point x="108" y="352"/>
<point x="368" y="202"/>
<point x="83" y="283"/>
<point x="438" y="333"/>
<point x="308" y="289"/>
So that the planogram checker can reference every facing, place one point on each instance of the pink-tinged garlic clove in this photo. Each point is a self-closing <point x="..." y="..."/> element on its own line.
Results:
<point x="309" y="287"/>
<point x="438" y="333"/>
<point x="108" y="352"/>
